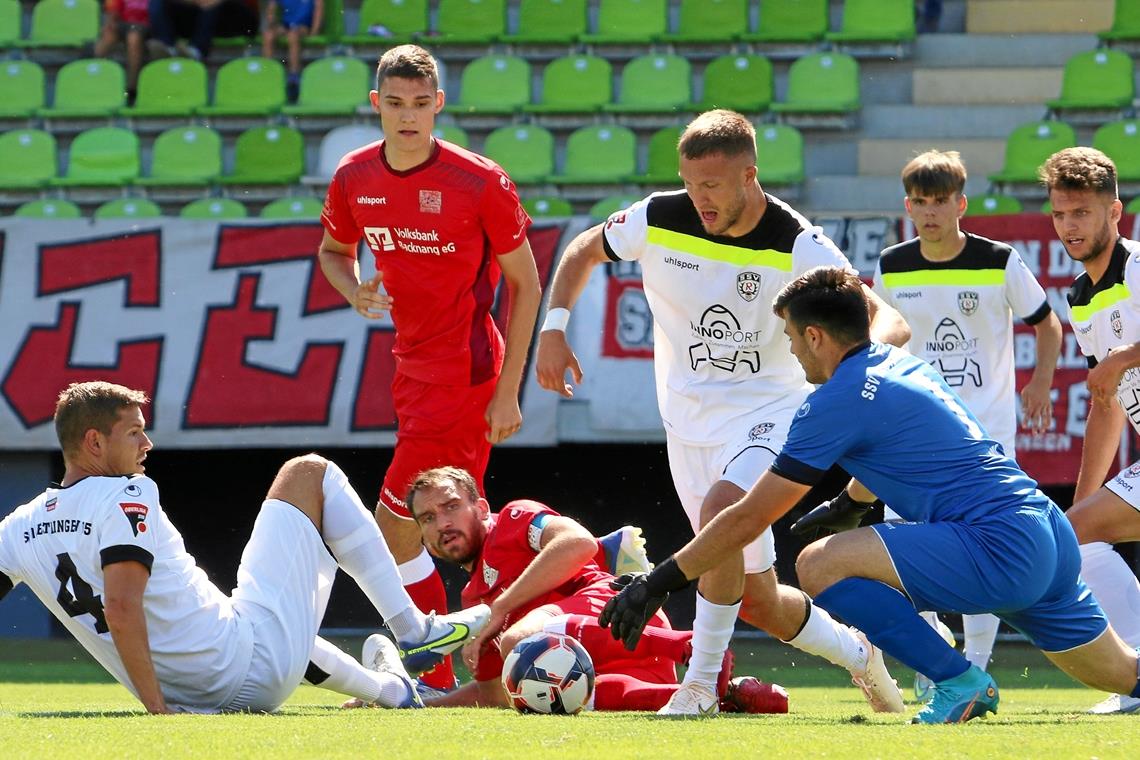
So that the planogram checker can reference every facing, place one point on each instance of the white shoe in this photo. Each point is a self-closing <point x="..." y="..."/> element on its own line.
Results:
<point x="695" y="700"/>
<point x="625" y="551"/>
<point x="380" y="654"/>
<point x="882" y="691"/>
<point x="1117" y="704"/>
<point x="446" y="633"/>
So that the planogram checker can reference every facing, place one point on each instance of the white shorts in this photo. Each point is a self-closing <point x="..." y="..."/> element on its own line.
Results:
<point x="283" y="586"/>
<point x="1126" y="485"/>
<point x="740" y="461"/>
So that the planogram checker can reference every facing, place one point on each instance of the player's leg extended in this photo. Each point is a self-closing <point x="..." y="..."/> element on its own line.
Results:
<point x="1109" y="517"/>
<point x="330" y="668"/>
<point x="1106" y="663"/>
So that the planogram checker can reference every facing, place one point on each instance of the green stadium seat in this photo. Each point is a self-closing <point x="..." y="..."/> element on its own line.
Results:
<point x="63" y="23"/>
<point x="267" y="156"/>
<point x="170" y="87"/>
<point x="740" y="82"/>
<point x="453" y="134"/>
<point x="779" y="155"/>
<point x="21" y="89"/>
<point x="525" y="151"/>
<point x="332" y="26"/>
<point x="332" y="86"/>
<point x="601" y="210"/>
<point x="1125" y="22"/>
<point x="400" y="20"/>
<point x="1029" y="145"/>
<point x="574" y="84"/>
<point x="653" y="84"/>
<point x="493" y="84"/>
<point x="128" y="208"/>
<point x="1133" y="206"/>
<point x="252" y="86"/>
<point x="791" y="21"/>
<point x="10" y="15"/>
<point x="661" y="168"/>
<point x="101" y="157"/>
<point x="598" y="154"/>
<point x="469" y="22"/>
<point x="709" y="21"/>
<point x="29" y="159"/>
<point x="293" y="208"/>
<point x="547" y="206"/>
<point x="549" y="22"/>
<point x="993" y="204"/>
<point x="1046" y="208"/>
<point x="1120" y="141"/>
<point x="875" y="21"/>
<point x="629" y="22"/>
<point x="86" y="88"/>
<point x="214" y="208"/>
<point x="1096" y="79"/>
<point x="190" y="156"/>
<point x="49" y="209"/>
<point x="822" y="83"/>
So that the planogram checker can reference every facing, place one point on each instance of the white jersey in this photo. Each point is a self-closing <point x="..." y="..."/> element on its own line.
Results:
<point x="960" y="314"/>
<point x="58" y="544"/>
<point x="1107" y="315"/>
<point x="719" y="352"/>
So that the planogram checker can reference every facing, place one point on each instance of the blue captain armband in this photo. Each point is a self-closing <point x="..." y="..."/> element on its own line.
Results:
<point x="534" y="531"/>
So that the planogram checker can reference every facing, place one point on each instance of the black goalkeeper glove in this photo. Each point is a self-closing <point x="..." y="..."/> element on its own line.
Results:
<point x="835" y="516"/>
<point x="638" y="599"/>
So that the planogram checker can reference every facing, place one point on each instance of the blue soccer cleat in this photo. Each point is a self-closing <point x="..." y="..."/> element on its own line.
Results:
<point x="959" y="699"/>
<point x="446" y="633"/>
<point x="380" y="654"/>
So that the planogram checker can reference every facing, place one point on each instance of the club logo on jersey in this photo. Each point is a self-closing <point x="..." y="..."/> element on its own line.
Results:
<point x="748" y="285"/>
<point x="133" y="491"/>
<point x="618" y="218"/>
<point x="721" y="339"/>
<point x="758" y="431"/>
<point x="968" y="302"/>
<point x="803" y="410"/>
<point x="136" y="514"/>
<point x="1117" y="323"/>
<point x="431" y="202"/>
<point x="490" y="575"/>
<point x="49" y="505"/>
<point x="1133" y="471"/>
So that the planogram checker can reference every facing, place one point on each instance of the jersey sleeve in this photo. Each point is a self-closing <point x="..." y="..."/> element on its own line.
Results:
<point x="521" y="522"/>
<point x="877" y="286"/>
<point x="336" y="216"/>
<point x="625" y="233"/>
<point x="125" y="527"/>
<point x="815" y="441"/>
<point x="504" y="220"/>
<point x="1025" y="296"/>
<point x="9" y="577"/>
<point x="814" y="249"/>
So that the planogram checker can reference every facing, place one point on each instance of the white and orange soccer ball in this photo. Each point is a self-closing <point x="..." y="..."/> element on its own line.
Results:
<point x="549" y="673"/>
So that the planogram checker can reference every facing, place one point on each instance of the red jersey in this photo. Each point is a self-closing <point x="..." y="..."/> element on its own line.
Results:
<point x="435" y="231"/>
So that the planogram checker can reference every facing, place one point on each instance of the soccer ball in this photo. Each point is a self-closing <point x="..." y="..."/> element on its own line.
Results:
<point x="549" y="673"/>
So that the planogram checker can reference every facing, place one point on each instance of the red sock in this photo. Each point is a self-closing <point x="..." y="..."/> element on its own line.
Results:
<point x="614" y="691"/>
<point x="599" y="642"/>
<point x="429" y="594"/>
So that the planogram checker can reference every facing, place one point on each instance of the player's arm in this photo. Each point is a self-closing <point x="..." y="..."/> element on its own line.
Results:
<point x="6" y="585"/>
<point x="341" y="269"/>
<point x="521" y="274"/>
<point x="1036" y="404"/>
<point x="318" y="16"/>
<point x="845" y="512"/>
<point x="555" y="356"/>
<point x="1102" y="439"/>
<point x="887" y="324"/>
<point x="124" y="584"/>
<point x="487" y="693"/>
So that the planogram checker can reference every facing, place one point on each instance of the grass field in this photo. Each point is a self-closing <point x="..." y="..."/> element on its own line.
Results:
<point x="57" y="702"/>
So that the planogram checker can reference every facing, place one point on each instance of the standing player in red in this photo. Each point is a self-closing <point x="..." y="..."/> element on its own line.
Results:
<point x="442" y="223"/>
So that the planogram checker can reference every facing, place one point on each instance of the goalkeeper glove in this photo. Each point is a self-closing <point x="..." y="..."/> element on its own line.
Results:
<point x="638" y="599"/>
<point x="835" y="516"/>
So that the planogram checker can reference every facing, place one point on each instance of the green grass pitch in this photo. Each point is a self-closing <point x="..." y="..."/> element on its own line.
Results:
<point x="56" y="702"/>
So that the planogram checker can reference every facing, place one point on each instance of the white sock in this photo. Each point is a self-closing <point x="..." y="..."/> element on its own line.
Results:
<point x="833" y="641"/>
<point x="980" y="632"/>
<point x="417" y="568"/>
<point x="345" y="675"/>
<point x="556" y="624"/>
<point x="713" y="626"/>
<point x="1114" y="585"/>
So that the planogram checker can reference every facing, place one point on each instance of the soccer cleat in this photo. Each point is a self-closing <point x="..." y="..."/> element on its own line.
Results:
<point x="881" y="691"/>
<point x="427" y="692"/>
<point x="625" y="551"/>
<point x="923" y="686"/>
<point x="380" y="654"/>
<point x="748" y="694"/>
<point x="1117" y="704"/>
<point x="446" y="633"/>
<point x="959" y="699"/>
<point x="692" y="700"/>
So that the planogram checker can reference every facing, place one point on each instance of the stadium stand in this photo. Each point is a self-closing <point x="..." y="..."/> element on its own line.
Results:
<point x="252" y="86"/>
<point x="128" y="208"/>
<point x="525" y="151"/>
<point x="10" y="22"/>
<point x="993" y="205"/>
<point x="469" y="22"/>
<point x="598" y="154"/>
<point x="574" y="84"/>
<point x="709" y="22"/>
<point x="332" y="86"/>
<point x="739" y="81"/>
<point x="171" y="87"/>
<point x="1125" y="23"/>
<point x="545" y="22"/>
<point x="273" y="155"/>
<point x="601" y="210"/>
<point x="1120" y="141"/>
<point x="390" y="22"/>
<point x="21" y="89"/>
<point x="452" y="134"/>
<point x="30" y="159"/>
<point x="1133" y="206"/>
<point x="653" y="83"/>
<point x="332" y="27"/>
<point x="1026" y="149"/>
<point x="823" y="91"/>
<point x="293" y="208"/>
<point x="779" y="155"/>
<point x="91" y="87"/>
<point x="214" y="208"/>
<point x="628" y="22"/>
<point x="62" y="23"/>
<point x="548" y="206"/>
<point x="101" y="157"/>
<point x="334" y="145"/>
<point x="797" y="25"/>
<point x="49" y="209"/>
<point x="1096" y="81"/>
<point x="185" y="156"/>
<point x="661" y="166"/>
<point x="872" y="27"/>
<point x="493" y="84"/>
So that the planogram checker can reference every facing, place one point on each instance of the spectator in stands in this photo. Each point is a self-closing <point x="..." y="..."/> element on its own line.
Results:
<point x="296" y="19"/>
<point x="929" y="14"/>
<point x="199" y="21"/>
<point x="127" y="19"/>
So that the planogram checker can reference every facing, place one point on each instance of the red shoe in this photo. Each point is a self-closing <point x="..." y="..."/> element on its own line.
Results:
<point x="748" y="694"/>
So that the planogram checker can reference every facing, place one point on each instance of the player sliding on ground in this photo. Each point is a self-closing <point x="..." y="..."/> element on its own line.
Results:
<point x="984" y="538"/>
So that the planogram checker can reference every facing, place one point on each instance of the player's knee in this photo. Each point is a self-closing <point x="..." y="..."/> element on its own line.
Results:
<point x="811" y="569"/>
<point x="1088" y="524"/>
<point x="306" y="465"/>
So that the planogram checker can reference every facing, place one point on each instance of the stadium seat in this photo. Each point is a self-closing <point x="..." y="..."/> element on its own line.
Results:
<point x="740" y="82"/>
<point x="790" y="21"/>
<point x="661" y="168"/>
<point x="86" y="88"/>
<point x="63" y="23"/>
<point x="709" y="21"/>
<point x="822" y="83"/>
<point x="1096" y="79"/>
<point x="332" y="26"/>
<point x="629" y="22"/>
<point x="469" y="22"/>
<point x="1120" y="141"/>
<point x="190" y="156"/>
<point x="293" y="208"/>
<point x="875" y="21"/>
<point x="1125" y="22"/>
<point x="546" y="206"/>
<point x="653" y="84"/>
<point x="598" y="154"/>
<point x="267" y="156"/>
<point x="332" y="86"/>
<point x="49" y="209"/>
<point x="101" y="157"/>
<point x="21" y="89"/>
<point x="169" y="87"/>
<point x="549" y="22"/>
<point x="601" y="210"/>
<point x="390" y="22"/>
<point x="574" y="84"/>
<point x="247" y="87"/>
<point x="525" y="151"/>
<point x="453" y="134"/>
<point x="128" y="208"/>
<point x="993" y="205"/>
<point x="1029" y="145"/>
<point x="1133" y="206"/>
<point x="493" y="84"/>
<point x="10" y="13"/>
<point x="214" y="208"/>
<point x="335" y="144"/>
<point x="29" y="159"/>
<point x="779" y="155"/>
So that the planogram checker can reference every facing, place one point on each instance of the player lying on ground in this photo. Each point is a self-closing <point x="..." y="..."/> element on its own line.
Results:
<point x="102" y="555"/>
<point x="984" y="538"/>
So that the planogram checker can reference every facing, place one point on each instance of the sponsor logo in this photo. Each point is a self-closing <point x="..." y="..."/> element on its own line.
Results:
<point x="618" y="218"/>
<point x="909" y="294"/>
<point x="953" y="349"/>
<point x="682" y="264"/>
<point x="133" y="490"/>
<point x="748" y="285"/>
<point x="49" y="505"/>
<point x="371" y="200"/>
<point x="760" y="430"/>
<point x="431" y="202"/>
<point x="1084" y="329"/>
<point x="505" y="182"/>
<point x="490" y="575"/>
<point x="968" y="302"/>
<point x="803" y="410"/>
<point x="392" y="498"/>
<point x="721" y="337"/>
<point x="1117" y="323"/>
<point x="136" y="514"/>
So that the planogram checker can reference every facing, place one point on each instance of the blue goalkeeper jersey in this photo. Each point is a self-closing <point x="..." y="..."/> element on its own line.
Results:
<point x="889" y="419"/>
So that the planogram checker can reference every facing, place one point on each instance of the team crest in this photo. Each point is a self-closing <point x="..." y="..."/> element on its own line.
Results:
<point x="431" y="202"/>
<point x="748" y="285"/>
<point x="760" y="430"/>
<point x="1117" y="323"/>
<point x="490" y="575"/>
<point x="136" y="514"/>
<point x="968" y="302"/>
<point x="1133" y="471"/>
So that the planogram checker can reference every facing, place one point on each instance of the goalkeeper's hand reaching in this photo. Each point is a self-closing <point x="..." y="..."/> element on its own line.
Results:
<point x="835" y="516"/>
<point x="638" y="599"/>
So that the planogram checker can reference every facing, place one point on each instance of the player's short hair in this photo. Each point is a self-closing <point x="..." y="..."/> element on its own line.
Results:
<point x="91" y="405"/>
<point x="407" y="62"/>
<point x="829" y="298"/>
<point x="436" y="477"/>
<point x="936" y="173"/>
<point x="1079" y="169"/>
<point x="720" y="132"/>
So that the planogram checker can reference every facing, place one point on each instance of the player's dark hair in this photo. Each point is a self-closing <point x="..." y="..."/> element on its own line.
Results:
<point x="829" y="298"/>
<point x="720" y="132"/>
<point x="936" y="173"/>
<point x="93" y="405"/>
<point x="407" y="62"/>
<point x="1079" y="169"/>
<point x="436" y="477"/>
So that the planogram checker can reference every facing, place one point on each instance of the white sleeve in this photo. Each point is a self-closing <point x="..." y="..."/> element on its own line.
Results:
<point x="881" y="290"/>
<point x="9" y="575"/>
<point x="625" y="232"/>
<point x="125" y="529"/>
<point x="815" y="249"/>
<point x="1023" y="293"/>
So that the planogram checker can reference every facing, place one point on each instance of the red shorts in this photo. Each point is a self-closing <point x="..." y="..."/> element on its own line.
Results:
<point x="133" y="12"/>
<point x="436" y="425"/>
